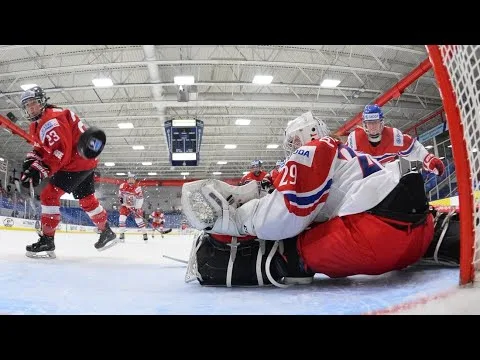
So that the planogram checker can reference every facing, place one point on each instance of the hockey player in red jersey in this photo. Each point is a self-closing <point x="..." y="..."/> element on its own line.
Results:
<point x="275" y="171"/>
<point x="385" y="143"/>
<point x="130" y="195"/>
<point x="259" y="175"/>
<point x="339" y="213"/>
<point x="65" y="152"/>
<point x="158" y="220"/>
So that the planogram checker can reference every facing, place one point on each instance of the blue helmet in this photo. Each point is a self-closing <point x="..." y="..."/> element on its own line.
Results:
<point x="372" y="112"/>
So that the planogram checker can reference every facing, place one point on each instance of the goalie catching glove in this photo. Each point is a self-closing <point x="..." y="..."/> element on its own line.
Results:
<point x="211" y="205"/>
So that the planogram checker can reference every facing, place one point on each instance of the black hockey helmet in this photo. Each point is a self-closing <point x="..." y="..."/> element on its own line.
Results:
<point x="39" y="95"/>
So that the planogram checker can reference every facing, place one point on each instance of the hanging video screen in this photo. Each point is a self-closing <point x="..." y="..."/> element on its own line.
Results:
<point x="184" y="139"/>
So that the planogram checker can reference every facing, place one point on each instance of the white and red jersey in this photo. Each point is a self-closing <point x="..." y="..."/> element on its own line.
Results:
<point x="393" y="143"/>
<point x="132" y="195"/>
<point x="252" y="177"/>
<point x="157" y="217"/>
<point x="321" y="180"/>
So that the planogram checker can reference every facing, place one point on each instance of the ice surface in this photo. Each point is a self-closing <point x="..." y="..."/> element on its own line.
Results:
<point x="134" y="278"/>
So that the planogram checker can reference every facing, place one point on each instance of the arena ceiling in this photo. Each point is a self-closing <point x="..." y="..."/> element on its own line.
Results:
<point x="144" y="94"/>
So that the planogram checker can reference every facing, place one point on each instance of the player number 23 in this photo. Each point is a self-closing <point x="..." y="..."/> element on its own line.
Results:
<point x="289" y="175"/>
<point x="52" y="137"/>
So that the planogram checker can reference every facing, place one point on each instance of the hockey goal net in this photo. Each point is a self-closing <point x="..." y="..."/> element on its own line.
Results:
<point x="457" y="71"/>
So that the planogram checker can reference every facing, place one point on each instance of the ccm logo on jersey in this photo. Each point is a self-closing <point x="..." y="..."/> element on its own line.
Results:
<point x="397" y="137"/>
<point x="304" y="155"/>
<point x="49" y="125"/>
<point x="374" y="116"/>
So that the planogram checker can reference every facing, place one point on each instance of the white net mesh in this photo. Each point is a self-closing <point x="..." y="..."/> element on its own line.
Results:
<point x="463" y="66"/>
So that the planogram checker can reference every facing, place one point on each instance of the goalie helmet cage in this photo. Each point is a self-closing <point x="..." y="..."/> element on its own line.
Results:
<point x="457" y="72"/>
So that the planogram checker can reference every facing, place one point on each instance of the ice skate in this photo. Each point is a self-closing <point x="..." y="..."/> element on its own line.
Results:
<point x="43" y="248"/>
<point x="297" y="273"/>
<point x="145" y="238"/>
<point x="107" y="239"/>
<point x="121" y="238"/>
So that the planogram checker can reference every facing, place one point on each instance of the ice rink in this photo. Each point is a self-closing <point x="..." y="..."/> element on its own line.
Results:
<point x="134" y="278"/>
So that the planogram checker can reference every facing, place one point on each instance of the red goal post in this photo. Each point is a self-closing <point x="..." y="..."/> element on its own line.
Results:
<point x="457" y="72"/>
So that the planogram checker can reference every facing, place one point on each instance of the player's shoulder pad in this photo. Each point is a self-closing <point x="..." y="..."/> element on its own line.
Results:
<point x="352" y="139"/>
<point x="305" y="154"/>
<point x="397" y="137"/>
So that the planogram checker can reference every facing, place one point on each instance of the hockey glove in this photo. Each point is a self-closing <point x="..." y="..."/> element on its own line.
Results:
<point x="36" y="172"/>
<point x="433" y="164"/>
<point x="266" y="184"/>
<point x="30" y="158"/>
<point x="210" y="204"/>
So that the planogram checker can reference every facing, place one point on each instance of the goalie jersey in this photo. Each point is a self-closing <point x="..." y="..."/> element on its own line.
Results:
<point x="321" y="180"/>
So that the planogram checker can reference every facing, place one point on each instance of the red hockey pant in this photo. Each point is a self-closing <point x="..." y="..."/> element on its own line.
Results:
<point x="362" y="244"/>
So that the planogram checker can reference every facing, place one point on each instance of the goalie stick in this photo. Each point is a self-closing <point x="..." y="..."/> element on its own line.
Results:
<point x="175" y="259"/>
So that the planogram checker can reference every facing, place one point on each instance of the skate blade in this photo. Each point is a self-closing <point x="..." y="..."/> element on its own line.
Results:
<point x="109" y="245"/>
<point x="41" y="255"/>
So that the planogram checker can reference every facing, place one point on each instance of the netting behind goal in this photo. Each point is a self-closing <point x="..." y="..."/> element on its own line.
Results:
<point x="457" y="71"/>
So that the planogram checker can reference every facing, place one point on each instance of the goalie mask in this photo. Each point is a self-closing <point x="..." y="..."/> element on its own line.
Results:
<point x="373" y="123"/>
<point x="33" y="102"/>
<point x="302" y="130"/>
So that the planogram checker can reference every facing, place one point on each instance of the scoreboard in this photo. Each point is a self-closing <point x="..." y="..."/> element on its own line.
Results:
<point x="184" y="137"/>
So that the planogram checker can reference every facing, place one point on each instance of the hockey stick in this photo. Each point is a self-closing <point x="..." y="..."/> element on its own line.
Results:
<point x="32" y="205"/>
<point x="175" y="259"/>
<point x="164" y="231"/>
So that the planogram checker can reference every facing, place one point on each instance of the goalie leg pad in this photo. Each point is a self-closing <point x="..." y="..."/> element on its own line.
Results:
<point x="445" y="246"/>
<point x="237" y="263"/>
